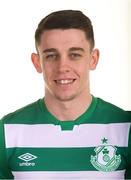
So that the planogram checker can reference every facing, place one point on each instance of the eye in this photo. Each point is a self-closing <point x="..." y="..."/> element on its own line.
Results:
<point x="51" y="56"/>
<point x="75" y="56"/>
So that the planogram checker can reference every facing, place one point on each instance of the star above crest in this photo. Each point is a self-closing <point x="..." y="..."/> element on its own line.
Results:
<point x="104" y="141"/>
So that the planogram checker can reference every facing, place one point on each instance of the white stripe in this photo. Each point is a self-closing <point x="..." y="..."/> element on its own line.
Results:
<point x="84" y="135"/>
<point x="62" y="175"/>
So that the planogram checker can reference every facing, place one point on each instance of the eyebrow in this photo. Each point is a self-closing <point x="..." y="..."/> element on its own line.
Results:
<point x="76" y="49"/>
<point x="49" y="50"/>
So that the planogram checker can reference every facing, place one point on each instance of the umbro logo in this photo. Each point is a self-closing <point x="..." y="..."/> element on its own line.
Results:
<point x="26" y="158"/>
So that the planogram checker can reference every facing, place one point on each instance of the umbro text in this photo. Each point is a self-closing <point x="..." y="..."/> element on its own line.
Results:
<point x="26" y="164"/>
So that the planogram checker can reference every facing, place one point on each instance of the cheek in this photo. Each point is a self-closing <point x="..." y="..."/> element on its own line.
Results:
<point x="84" y="70"/>
<point x="47" y="72"/>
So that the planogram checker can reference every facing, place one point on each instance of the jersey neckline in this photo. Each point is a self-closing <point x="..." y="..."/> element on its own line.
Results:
<point x="69" y="124"/>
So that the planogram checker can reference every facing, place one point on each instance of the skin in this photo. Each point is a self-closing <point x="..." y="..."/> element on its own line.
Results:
<point x="65" y="59"/>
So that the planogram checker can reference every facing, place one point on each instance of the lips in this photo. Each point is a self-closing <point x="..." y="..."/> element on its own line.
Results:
<point x="64" y="81"/>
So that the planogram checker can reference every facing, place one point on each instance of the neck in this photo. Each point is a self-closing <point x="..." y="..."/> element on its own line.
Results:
<point x="68" y="110"/>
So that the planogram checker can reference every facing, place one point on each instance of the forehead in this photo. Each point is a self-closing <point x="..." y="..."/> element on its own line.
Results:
<point x="65" y="38"/>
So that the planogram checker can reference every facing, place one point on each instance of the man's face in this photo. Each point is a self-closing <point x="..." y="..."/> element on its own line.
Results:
<point x="65" y="59"/>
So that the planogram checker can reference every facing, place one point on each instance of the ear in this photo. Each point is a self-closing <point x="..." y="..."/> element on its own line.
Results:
<point x="36" y="62"/>
<point x="94" y="59"/>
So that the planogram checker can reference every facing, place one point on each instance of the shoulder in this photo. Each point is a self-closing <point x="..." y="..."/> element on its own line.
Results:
<point x="21" y="114"/>
<point x="112" y="112"/>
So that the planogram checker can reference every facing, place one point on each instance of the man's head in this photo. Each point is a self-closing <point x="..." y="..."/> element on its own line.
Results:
<point x="66" y="19"/>
<point x="65" y="54"/>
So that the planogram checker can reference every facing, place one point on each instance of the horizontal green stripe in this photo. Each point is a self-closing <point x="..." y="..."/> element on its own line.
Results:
<point x="57" y="159"/>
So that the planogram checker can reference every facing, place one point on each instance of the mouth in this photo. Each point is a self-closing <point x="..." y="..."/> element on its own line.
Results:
<point x="64" y="81"/>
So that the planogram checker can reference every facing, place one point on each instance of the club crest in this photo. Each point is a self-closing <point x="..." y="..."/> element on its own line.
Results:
<point x="105" y="159"/>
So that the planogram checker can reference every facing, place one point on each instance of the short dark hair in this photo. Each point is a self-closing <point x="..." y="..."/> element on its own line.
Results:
<point x="66" y="19"/>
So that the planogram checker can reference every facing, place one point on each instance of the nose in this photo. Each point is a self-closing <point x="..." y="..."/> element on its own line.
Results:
<point x="63" y="65"/>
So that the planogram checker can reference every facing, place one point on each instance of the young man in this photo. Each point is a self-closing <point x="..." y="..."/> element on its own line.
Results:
<point x="69" y="134"/>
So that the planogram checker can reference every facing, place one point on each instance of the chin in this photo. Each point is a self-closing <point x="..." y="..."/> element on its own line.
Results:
<point x="65" y="98"/>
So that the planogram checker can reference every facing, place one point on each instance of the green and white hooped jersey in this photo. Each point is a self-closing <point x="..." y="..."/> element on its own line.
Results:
<point x="95" y="145"/>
